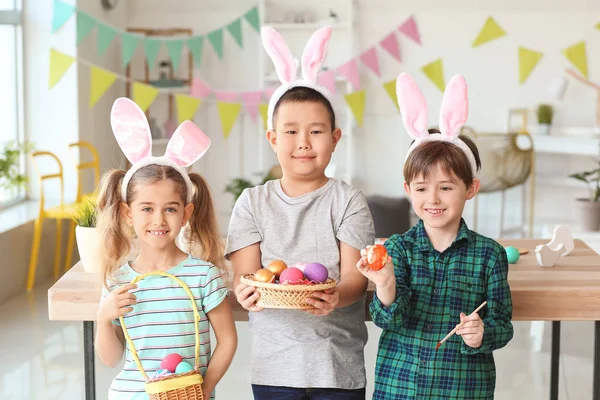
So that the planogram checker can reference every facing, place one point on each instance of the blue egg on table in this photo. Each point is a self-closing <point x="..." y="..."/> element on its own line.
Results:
<point x="512" y="254"/>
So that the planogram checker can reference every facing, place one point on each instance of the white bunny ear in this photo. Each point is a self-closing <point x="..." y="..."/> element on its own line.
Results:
<point x="187" y="145"/>
<point x="455" y="107"/>
<point x="412" y="106"/>
<point x="280" y="54"/>
<point x="131" y="129"/>
<point x="315" y="53"/>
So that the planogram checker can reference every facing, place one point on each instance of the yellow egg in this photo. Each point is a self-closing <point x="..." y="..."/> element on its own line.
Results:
<point x="277" y="267"/>
<point x="264" y="275"/>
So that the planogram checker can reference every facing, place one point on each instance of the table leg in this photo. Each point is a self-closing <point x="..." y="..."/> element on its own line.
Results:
<point x="596" y="395"/>
<point x="554" y="360"/>
<point x="88" y="357"/>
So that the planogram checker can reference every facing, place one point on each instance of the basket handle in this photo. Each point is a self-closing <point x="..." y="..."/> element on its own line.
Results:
<point x="196" y="320"/>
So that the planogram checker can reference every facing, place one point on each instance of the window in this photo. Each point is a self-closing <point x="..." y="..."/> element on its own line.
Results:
<point x="11" y="72"/>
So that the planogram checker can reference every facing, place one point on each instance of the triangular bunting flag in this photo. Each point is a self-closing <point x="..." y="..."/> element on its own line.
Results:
<point x="490" y="31"/>
<point x="268" y="92"/>
<point x="186" y="107"/>
<point x="61" y="12"/>
<point x="435" y="72"/>
<point x="100" y="81"/>
<point x="264" y="114"/>
<point x="216" y="40"/>
<point x="390" y="88"/>
<point x="151" y="48"/>
<point x="129" y="44"/>
<point x="598" y="26"/>
<point x="251" y="101"/>
<point x="174" y="48"/>
<point x="369" y="58"/>
<point x="226" y="96"/>
<point x="390" y="43"/>
<point x="409" y="28"/>
<point x="85" y="24"/>
<point x="350" y="72"/>
<point x="253" y="18"/>
<point x="228" y="112"/>
<point x="200" y="88"/>
<point x="196" y="46"/>
<point x="578" y="57"/>
<point x="528" y="60"/>
<point x="327" y="79"/>
<point x="144" y="95"/>
<point x="59" y="64"/>
<point x="356" y="101"/>
<point x="235" y="28"/>
<point x="106" y="34"/>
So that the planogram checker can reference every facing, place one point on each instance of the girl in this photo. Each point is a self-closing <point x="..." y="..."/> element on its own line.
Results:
<point x="154" y="200"/>
<point x="439" y="269"/>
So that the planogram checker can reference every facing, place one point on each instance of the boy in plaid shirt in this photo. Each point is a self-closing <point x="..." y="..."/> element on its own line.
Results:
<point x="439" y="269"/>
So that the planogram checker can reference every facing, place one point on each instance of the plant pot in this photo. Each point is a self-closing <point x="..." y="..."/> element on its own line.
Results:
<point x="588" y="215"/>
<point x="88" y="245"/>
<point x="543" y="129"/>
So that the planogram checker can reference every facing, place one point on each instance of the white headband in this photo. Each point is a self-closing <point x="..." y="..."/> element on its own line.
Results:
<point x="313" y="57"/>
<point x="453" y="114"/>
<point x="130" y="127"/>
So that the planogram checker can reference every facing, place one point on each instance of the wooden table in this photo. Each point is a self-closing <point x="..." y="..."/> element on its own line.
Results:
<point x="569" y="291"/>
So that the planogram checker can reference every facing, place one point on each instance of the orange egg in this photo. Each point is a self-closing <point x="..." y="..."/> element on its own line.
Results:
<point x="264" y="275"/>
<point x="277" y="267"/>
<point x="377" y="257"/>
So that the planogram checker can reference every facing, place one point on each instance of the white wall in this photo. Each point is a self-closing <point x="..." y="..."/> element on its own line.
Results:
<point x="447" y="31"/>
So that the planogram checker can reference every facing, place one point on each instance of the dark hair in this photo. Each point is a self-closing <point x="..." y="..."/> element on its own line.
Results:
<point x="300" y="94"/>
<point x="427" y="156"/>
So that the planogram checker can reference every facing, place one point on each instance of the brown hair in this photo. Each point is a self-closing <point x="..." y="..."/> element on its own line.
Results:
<point x="427" y="156"/>
<point x="301" y="94"/>
<point x="203" y="232"/>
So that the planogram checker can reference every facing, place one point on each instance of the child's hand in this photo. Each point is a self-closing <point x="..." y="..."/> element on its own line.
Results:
<point x="324" y="301"/>
<point x="247" y="296"/>
<point x="471" y="330"/>
<point x="383" y="277"/>
<point x="117" y="303"/>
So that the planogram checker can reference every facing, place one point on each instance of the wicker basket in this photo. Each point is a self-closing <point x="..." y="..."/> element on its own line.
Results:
<point x="275" y="295"/>
<point x="183" y="386"/>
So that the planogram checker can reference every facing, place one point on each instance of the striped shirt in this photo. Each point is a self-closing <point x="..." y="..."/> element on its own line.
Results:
<point x="162" y="321"/>
<point x="432" y="289"/>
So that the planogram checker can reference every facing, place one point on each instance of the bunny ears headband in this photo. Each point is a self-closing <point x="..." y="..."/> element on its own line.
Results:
<point x="453" y="114"/>
<point x="130" y="126"/>
<point x="313" y="57"/>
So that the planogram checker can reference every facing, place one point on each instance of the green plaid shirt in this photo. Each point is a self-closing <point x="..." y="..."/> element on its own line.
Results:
<point x="432" y="289"/>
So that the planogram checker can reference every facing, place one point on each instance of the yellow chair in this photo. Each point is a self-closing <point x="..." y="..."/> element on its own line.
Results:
<point x="60" y="212"/>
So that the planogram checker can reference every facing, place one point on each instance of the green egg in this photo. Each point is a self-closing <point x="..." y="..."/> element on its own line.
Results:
<point x="512" y="253"/>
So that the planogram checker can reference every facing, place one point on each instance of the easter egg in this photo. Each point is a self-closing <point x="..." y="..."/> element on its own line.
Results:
<point x="162" y="372"/>
<point x="291" y="275"/>
<point x="300" y="266"/>
<point x="377" y="257"/>
<point x="316" y="272"/>
<point x="264" y="275"/>
<point x="277" y="267"/>
<point x="170" y="362"/>
<point x="183" y="367"/>
<point x="512" y="254"/>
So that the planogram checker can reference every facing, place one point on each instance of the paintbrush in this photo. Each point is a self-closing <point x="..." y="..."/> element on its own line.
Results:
<point x="453" y="331"/>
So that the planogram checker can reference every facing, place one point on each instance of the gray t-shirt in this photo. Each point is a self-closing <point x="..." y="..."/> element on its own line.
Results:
<point x="291" y="347"/>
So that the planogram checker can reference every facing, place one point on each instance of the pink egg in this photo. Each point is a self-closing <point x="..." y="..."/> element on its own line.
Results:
<point x="300" y="266"/>
<point x="170" y="362"/>
<point x="316" y="272"/>
<point x="291" y="275"/>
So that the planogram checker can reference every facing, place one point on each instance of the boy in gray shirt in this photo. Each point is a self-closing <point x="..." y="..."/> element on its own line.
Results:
<point x="304" y="217"/>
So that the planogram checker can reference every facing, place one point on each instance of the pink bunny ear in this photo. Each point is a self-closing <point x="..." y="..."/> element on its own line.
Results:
<point x="315" y="53"/>
<point x="455" y="107"/>
<point x="131" y="129"/>
<point x="412" y="106"/>
<point x="187" y="145"/>
<point x="280" y="54"/>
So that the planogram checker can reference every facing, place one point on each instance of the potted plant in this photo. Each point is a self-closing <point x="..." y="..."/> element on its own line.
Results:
<point x="237" y="185"/>
<point x="589" y="208"/>
<point x="87" y="235"/>
<point x="544" y="112"/>
<point x="10" y="176"/>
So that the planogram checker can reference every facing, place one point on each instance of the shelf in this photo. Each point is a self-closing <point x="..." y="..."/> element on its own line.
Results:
<point x="174" y="89"/>
<point x="575" y="145"/>
<point x="312" y="26"/>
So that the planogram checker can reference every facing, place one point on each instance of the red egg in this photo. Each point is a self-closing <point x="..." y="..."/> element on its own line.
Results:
<point x="291" y="275"/>
<point x="170" y="362"/>
<point x="377" y="257"/>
